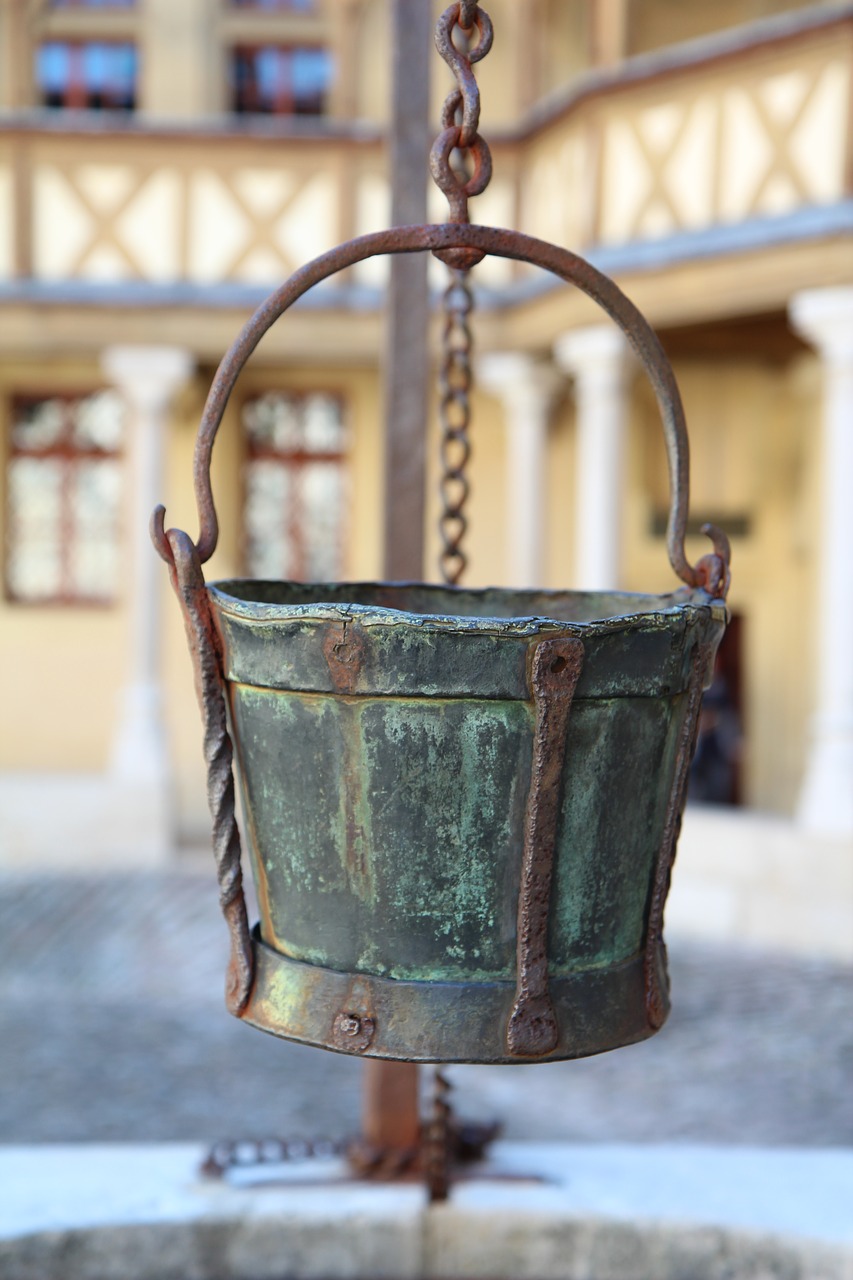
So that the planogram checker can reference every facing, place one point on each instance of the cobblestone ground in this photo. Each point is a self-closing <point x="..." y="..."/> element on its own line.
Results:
<point x="112" y="1028"/>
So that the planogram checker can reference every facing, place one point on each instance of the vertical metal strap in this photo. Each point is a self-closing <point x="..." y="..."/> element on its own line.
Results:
<point x="532" y="1029"/>
<point x="188" y="582"/>
<point x="655" y="972"/>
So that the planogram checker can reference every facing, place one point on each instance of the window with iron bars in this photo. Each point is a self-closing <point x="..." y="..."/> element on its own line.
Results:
<point x="294" y="486"/>
<point x="63" y="498"/>
<point x="87" y="75"/>
<point x="290" y="80"/>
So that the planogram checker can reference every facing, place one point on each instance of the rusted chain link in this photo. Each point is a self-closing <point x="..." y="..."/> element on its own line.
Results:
<point x="365" y="1161"/>
<point x="459" y="146"/>
<point x="455" y="410"/>
<point x="444" y="1147"/>
<point x="467" y="14"/>
<point x="438" y="1140"/>
<point x="250" y="1153"/>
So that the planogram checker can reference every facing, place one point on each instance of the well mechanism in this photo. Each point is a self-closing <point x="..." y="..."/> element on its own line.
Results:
<point x="461" y="806"/>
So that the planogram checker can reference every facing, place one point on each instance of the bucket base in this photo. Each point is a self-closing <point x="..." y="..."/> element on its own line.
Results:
<point x="371" y="1017"/>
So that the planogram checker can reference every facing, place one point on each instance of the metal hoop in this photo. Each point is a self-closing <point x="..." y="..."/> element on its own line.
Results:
<point x="710" y="573"/>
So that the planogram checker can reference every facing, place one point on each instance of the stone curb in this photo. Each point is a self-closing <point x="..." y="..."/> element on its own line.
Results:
<point x="440" y="1243"/>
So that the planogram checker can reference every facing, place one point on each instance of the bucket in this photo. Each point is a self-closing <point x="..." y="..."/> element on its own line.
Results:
<point x="461" y="807"/>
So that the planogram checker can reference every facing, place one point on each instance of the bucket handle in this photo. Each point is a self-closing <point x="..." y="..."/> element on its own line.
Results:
<point x="711" y="572"/>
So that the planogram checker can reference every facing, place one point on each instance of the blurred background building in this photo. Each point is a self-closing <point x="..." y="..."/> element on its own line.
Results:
<point x="165" y="163"/>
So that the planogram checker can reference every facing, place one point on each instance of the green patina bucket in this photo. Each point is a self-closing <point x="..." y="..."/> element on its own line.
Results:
<point x="461" y="807"/>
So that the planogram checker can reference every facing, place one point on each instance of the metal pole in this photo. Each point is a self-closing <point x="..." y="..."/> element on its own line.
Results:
<point x="406" y="362"/>
<point x="390" y="1102"/>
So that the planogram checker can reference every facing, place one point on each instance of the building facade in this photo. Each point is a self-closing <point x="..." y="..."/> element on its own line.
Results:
<point x="164" y="165"/>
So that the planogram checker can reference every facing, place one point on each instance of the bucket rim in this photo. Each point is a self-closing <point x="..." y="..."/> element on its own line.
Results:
<point x="335" y="607"/>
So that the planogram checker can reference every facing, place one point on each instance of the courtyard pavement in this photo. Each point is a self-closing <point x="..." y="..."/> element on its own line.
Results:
<point x="112" y="1028"/>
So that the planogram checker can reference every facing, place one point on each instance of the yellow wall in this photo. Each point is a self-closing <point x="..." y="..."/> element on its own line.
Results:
<point x="754" y="440"/>
<point x="654" y="24"/>
<point x="754" y="431"/>
<point x="754" y="424"/>
<point x="62" y="668"/>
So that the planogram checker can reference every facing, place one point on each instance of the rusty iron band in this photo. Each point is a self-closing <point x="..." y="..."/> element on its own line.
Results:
<point x="711" y="571"/>
<point x="654" y="964"/>
<point x="188" y="583"/>
<point x="532" y="1028"/>
<point x="597" y="1009"/>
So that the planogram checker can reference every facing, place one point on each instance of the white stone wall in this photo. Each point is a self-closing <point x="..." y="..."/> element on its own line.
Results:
<point x="757" y="879"/>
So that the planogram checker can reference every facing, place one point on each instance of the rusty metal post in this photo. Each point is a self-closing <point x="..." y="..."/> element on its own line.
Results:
<point x="407" y="316"/>
<point x="390" y="1112"/>
<point x="390" y="1118"/>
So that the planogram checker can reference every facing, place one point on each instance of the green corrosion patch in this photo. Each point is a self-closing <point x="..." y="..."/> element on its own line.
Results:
<point x="306" y="819"/>
<point x="448" y="782"/>
<point x="618" y="775"/>
<point x="387" y="832"/>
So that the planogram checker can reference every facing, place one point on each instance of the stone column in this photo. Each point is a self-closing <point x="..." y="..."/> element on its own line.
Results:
<point x="599" y="360"/>
<point x="148" y="378"/>
<point x="824" y="318"/>
<point x="528" y="388"/>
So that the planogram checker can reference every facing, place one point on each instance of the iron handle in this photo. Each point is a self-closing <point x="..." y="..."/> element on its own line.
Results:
<point x="711" y="572"/>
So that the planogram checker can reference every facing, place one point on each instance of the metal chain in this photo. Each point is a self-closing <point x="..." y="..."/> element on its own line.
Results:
<point x="456" y="149"/>
<point x="250" y="1153"/>
<point x="364" y="1160"/>
<point x="460" y="115"/>
<point x="455" y="411"/>
<point x="467" y="13"/>
<point x="438" y="1140"/>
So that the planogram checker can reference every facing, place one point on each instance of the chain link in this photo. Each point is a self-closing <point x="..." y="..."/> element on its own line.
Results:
<point x="460" y="116"/>
<point x="250" y="1153"/>
<point x="467" y="13"/>
<point x="461" y="165"/>
<point x="455" y="410"/>
<point x="438" y="1140"/>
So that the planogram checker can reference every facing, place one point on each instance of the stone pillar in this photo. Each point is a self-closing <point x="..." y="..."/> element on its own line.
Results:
<point x="528" y="388"/>
<point x="599" y="360"/>
<point x="824" y="318"/>
<point x="148" y="378"/>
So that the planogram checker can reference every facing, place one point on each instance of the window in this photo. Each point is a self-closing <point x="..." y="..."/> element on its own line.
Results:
<point x="298" y="5"/>
<point x="294" y="486"/>
<point x="282" y="80"/>
<point x="91" y="75"/>
<point x="63" y="492"/>
<point x="93" y="4"/>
